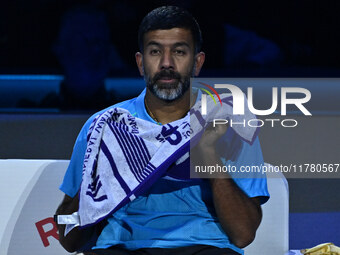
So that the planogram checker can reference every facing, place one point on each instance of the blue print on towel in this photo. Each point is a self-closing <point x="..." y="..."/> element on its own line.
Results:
<point x="168" y="132"/>
<point x="95" y="186"/>
<point x="115" y="115"/>
<point x="134" y="150"/>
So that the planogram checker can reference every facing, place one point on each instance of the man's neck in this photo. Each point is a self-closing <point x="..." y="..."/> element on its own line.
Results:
<point x="165" y="112"/>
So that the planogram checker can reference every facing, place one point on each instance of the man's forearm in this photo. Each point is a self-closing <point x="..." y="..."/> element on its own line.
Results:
<point x="238" y="214"/>
<point x="76" y="238"/>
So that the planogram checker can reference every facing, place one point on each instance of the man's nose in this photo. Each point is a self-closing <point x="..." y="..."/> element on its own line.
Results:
<point x="167" y="61"/>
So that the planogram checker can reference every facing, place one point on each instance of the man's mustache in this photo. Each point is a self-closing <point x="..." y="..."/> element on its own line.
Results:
<point x="167" y="74"/>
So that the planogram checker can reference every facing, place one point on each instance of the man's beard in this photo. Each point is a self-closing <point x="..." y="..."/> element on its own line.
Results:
<point x="170" y="91"/>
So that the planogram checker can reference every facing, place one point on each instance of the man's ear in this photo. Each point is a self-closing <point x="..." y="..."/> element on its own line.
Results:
<point x="199" y="61"/>
<point x="139" y="61"/>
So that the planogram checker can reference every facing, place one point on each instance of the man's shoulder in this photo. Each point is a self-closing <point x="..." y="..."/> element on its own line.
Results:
<point x="129" y="105"/>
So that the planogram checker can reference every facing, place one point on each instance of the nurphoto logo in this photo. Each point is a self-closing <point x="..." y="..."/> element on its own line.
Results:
<point x="238" y="101"/>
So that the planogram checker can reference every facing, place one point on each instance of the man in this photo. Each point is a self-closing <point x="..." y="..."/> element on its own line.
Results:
<point x="83" y="50"/>
<point x="215" y="216"/>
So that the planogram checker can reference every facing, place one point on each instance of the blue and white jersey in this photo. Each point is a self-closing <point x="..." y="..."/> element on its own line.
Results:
<point x="171" y="213"/>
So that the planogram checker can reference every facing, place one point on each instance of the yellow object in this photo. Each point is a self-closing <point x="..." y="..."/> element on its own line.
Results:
<point x="322" y="249"/>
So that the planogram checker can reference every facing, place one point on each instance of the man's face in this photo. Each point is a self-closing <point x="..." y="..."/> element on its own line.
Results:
<point x="168" y="62"/>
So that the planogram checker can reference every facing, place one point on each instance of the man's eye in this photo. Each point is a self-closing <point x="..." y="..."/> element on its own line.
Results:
<point x="154" y="52"/>
<point x="180" y="52"/>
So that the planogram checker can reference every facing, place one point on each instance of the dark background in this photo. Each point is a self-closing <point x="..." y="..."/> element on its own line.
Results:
<point x="306" y="31"/>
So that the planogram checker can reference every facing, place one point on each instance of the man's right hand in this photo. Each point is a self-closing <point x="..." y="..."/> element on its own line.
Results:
<point x="76" y="238"/>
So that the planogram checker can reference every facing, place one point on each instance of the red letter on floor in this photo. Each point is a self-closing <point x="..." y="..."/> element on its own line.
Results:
<point x="44" y="234"/>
